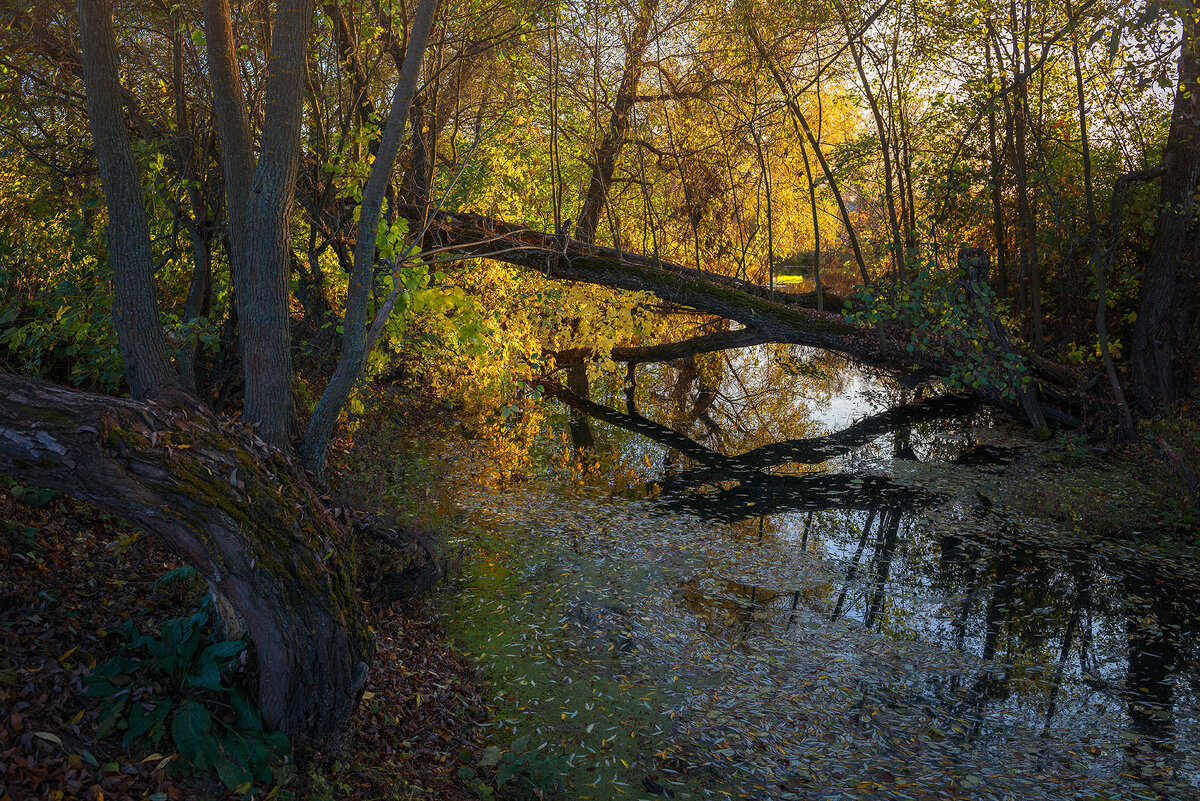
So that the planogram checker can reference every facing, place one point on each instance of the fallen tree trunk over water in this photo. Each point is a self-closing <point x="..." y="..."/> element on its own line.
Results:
<point x="778" y="316"/>
<point x="647" y="354"/>
<point x="238" y="511"/>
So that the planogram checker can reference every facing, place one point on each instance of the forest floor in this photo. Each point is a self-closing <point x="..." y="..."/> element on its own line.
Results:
<point x="72" y="576"/>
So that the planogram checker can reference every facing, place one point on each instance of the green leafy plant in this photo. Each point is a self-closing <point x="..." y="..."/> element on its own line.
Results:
<point x="524" y="771"/>
<point x="63" y="332"/>
<point x="936" y="311"/>
<point x="33" y="497"/>
<point x="175" y="683"/>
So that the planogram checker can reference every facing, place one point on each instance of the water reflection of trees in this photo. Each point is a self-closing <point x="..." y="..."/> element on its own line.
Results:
<point x="1056" y="629"/>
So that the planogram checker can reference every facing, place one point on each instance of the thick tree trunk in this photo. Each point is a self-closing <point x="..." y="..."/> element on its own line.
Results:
<point x="135" y="303"/>
<point x="232" y="121"/>
<point x="264" y="319"/>
<point x="1155" y="355"/>
<point x="245" y="517"/>
<point x="604" y="158"/>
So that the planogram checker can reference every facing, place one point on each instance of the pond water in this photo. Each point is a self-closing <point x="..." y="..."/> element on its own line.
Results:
<point x="765" y="573"/>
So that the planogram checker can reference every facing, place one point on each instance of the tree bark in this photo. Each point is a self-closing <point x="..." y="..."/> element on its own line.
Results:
<point x="245" y="517"/>
<point x="354" y="337"/>
<point x="265" y="320"/>
<point x="1155" y="356"/>
<point x="233" y="129"/>
<point x="604" y="158"/>
<point x="135" y="302"/>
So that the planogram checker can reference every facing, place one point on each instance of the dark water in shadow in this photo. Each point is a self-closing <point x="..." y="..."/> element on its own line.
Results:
<point x="821" y="581"/>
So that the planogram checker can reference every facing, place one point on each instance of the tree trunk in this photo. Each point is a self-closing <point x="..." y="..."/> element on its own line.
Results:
<point x="266" y="323"/>
<point x="246" y="518"/>
<point x="354" y="337"/>
<point x="1103" y="260"/>
<point x="997" y="176"/>
<point x="816" y="223"/>
<point x="232" y="122"/>
<point x="1026" y="232"/>
<point x="417" y="180"/>
<point x="604" y="158"/>
<point x="1155" y="354"/>
<point x="779" y="316"/>
<point x="198" y="305"/>
<point x="135" y="302"/>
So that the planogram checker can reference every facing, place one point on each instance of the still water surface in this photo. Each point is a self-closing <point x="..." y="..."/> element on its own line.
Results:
<point x="768" y="574"/>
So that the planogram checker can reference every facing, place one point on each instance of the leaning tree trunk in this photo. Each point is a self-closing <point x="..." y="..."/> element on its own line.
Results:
<point x="243" y="515"/>
<point x="605" y="154"/>
<point x="356" y="341"/>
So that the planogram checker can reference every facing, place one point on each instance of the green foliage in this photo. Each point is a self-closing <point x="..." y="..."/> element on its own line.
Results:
<point x="938" y="315"/>
<point x="390" y="239"/>
<point x="64" y="331"/>
<point x="175" y="684"/>
<point x="33" y="497"/>
<point x="521" y="772"/>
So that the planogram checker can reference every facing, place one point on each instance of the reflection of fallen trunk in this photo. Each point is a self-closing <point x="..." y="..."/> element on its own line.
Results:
<point x="767" y="494"/>
<point x="760" y="493"/>
<point x="814" y="450"/>
<point x="646" y="427"/>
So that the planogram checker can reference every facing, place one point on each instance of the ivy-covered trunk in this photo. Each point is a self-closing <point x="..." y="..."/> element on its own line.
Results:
<point x="240" y="512"/>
